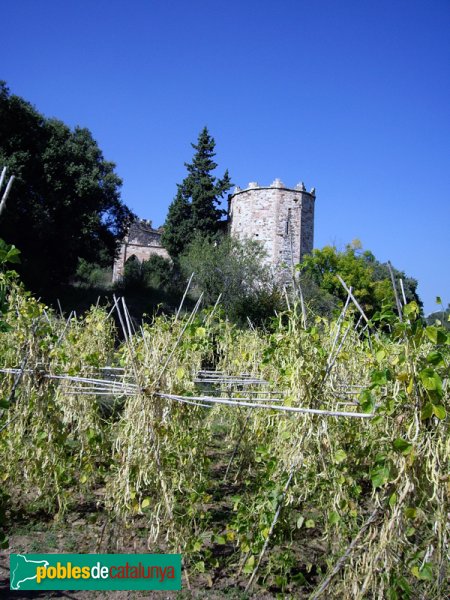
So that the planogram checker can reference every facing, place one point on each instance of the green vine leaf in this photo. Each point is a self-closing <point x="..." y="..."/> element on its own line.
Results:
<point x="402" y="446"/>
<point x="430" y="380"/>
<point x="439" y="411"/>
<point x="435" y="334"/>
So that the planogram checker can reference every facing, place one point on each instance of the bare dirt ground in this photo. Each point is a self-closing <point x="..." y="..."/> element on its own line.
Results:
<point x="78" y="534"/>
<point x="87" y="529"/>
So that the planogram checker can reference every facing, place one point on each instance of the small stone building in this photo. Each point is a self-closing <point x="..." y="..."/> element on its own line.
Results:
<point x="140" y="243"/>
<point x="281" y="218"/>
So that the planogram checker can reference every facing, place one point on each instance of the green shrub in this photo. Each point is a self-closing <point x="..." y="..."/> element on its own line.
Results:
<point x="93" y="275"/>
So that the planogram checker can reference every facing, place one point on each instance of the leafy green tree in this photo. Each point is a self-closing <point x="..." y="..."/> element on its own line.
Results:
<point x="317" y="300"/>
<point x="369" y="279"/>
<point x="155" y="273"/>
<point x="195" y="207"/>
<point x="236" y="270"/>
<point x="440" y="316"/>
<point x="92" y="275"/>
<point x="65" y="203"/>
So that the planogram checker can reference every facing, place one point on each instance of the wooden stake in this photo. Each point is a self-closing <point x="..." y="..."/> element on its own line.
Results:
<point x="355" y="302"/>
<point x="394" y="287"/>
<point x="6" y="194"/>
<point x="184" y="296"/>
<point x="340" y="563"/>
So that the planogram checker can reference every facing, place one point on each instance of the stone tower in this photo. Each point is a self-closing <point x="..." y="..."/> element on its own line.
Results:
<point x="281" y="218"/>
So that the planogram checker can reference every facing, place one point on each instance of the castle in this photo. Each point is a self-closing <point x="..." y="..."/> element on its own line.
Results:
<point x="281" y="218"/>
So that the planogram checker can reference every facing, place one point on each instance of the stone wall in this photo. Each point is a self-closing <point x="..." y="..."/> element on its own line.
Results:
<point x="281" y="218"/>
<point x="142" y="241"/>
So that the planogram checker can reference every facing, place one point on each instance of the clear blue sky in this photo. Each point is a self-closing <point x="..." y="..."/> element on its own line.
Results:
<point x="350" y="96"/>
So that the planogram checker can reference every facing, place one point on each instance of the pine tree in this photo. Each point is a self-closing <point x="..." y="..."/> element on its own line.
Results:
<point x="195" y="207"/>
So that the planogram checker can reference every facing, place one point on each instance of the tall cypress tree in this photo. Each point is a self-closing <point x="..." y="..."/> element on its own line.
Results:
<point x="177" y="229"/>
<point x="195" y="207"/>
